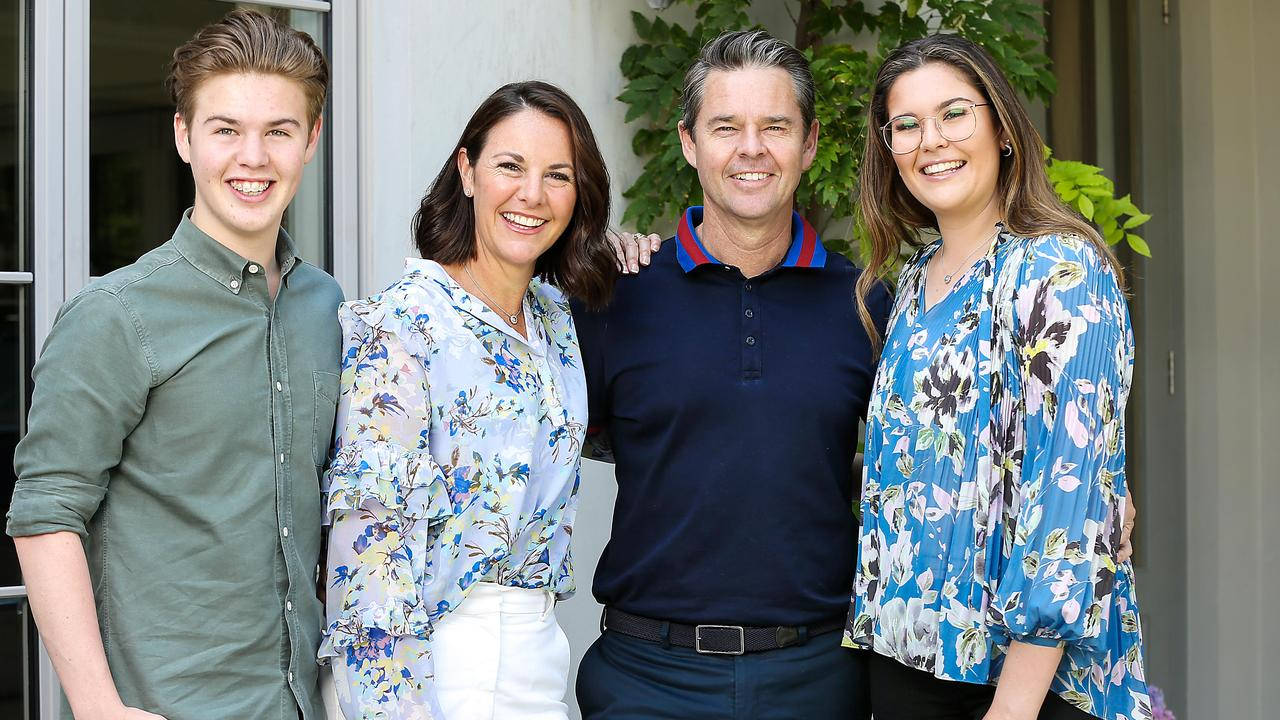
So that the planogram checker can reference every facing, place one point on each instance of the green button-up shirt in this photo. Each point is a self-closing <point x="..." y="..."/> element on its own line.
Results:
<point x="179" y="424"/>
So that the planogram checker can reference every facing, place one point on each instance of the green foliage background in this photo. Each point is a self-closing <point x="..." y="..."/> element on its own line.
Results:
<point x="1011" y="30"/>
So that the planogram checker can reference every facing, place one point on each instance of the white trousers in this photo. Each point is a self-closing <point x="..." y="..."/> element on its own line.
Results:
<point x="500" y="655"/>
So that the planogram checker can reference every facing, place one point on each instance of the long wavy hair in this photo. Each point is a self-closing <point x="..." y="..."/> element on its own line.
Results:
<point x="893" y="216"/>
<point x="580" y="262"/>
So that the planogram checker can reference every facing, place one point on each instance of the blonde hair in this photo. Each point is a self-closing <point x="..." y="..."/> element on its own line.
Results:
<point x="893" y="216"/>
<point x="246" y="41"/>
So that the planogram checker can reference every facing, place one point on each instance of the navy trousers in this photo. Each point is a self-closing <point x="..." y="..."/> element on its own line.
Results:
<point x="624" y="678"/>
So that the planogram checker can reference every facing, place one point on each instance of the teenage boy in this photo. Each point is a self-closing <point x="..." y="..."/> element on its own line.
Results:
<point x="167" y="512"/>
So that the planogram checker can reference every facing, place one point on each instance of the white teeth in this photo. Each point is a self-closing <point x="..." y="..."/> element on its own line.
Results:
<point x="524" y="220"/>
<point x="250" y="187"/>
<point x="942" y="167"/>
<point x="751" y="176"/>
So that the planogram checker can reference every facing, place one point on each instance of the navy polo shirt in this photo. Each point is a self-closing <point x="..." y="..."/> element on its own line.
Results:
<point x="732" y="407"/>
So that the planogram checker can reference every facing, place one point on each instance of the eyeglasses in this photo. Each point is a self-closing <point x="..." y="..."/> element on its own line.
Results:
<point x="903" y="134"/>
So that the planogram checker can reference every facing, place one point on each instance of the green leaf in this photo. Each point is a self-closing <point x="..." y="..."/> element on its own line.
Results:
<point x="645" y="83"/>
<point x="641" y="24"/>
<point x="1137" y="219"/>
<point x="1138" y="244"/>
<point x="1086" y="207"/>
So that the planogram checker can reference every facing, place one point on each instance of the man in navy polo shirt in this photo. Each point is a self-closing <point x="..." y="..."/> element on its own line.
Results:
<point x="728" y="381"/>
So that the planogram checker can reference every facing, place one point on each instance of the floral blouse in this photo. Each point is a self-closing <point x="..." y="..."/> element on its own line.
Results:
<point x="456" y="461"/>
<point x="994" y="488"/>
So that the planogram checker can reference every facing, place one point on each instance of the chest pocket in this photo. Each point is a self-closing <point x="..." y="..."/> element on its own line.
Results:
<point x="322" y="414"/>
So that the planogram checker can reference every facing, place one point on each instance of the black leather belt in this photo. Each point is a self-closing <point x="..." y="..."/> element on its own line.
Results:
<point x="713" y="639"/>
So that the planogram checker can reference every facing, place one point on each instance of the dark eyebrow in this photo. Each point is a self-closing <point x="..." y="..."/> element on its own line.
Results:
<point x="945" y="103"/>
<point x="778" y="120"/>
<point x="520" y="159"/>
<point x="939" y="106"/>
<point x="236" y="123"/>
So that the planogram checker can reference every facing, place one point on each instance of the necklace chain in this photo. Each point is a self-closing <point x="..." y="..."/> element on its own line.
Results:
<point x="947" y="277"/>
<point x="512" y="318"/>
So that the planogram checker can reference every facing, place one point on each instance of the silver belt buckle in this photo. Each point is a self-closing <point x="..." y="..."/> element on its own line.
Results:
<point x="742" y="640"/>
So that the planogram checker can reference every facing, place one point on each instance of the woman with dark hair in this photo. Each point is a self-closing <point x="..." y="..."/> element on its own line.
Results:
<point x="462" y="412"/>
<point x="994" y="491"/>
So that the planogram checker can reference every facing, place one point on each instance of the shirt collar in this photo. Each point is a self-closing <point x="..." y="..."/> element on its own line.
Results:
<point x="806" y="247"/>
<point x="222" y="263"/>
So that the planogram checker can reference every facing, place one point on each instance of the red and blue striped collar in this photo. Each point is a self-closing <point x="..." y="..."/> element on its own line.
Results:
<point x="806" y="247"/>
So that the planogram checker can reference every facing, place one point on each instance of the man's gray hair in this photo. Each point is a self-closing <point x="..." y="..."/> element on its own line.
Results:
<point x="740" y="50"/>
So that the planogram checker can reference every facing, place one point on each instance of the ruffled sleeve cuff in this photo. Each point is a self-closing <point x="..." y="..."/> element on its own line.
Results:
<point x="405" y="481"/>
<point x="380" y="598"/>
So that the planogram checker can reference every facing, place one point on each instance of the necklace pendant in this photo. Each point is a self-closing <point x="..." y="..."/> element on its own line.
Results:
<point x="946" y="279"/>
<point x="513" y="319"/>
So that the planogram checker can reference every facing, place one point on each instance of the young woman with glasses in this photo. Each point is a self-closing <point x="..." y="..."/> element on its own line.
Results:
<point x="990" y="583"/>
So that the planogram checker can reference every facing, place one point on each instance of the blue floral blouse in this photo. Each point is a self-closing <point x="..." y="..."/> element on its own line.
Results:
<point x="456" y="461"/>
<point x="994" y="490"/>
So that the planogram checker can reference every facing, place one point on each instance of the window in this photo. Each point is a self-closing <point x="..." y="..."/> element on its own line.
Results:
<point x="17" y="657"/>
<point x="138" y="186"/>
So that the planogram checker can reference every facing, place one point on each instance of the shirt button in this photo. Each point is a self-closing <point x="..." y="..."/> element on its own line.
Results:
<point x="284" y="531"/>
<point x="747" y="286"/>
<point x="726" y="267"/>
<point x="253" y="269"/>
<point x="288" y="605"/>
<point x="279" y="387"/>
<point x="749" y="313"/>
<point x="234" y="284"/>
<point x="281" y="458"/>
<point x="291" y="676"/>
<point x="751" y="340"/>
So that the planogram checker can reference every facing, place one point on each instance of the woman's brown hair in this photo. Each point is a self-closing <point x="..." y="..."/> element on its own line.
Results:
<point x="892" y="215"/>
<point x="580" y="262"/>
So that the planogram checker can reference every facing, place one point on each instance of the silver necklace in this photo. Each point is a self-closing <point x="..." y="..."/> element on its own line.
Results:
<point x="947" y="277"/>
<point x="511" y="317"/>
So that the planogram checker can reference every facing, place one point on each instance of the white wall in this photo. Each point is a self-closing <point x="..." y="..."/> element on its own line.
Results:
<point x="1230" y="119"/>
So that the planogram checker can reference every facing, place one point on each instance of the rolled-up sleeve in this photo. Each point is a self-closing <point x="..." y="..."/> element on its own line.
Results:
<point x="91" y="388"/>
<point x="1076" y="359"/>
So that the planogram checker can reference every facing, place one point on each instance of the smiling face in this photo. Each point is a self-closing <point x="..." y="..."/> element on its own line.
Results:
<point x="247" y="142"/>
<point x="749" y="143"/>
<point x="954" y="179"/>
<point x="523" y="188"/>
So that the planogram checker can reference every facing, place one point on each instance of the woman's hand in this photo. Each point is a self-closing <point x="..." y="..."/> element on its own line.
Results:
<point x="632" y="249"/>
<point x="1126" y="530"/>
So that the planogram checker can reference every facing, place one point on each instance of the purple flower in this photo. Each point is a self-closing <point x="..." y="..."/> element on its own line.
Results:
<point x="1159" y="711"/>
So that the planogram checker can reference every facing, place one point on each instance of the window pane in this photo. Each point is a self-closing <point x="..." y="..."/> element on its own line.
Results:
<point x="14" y="364"/>
<point x="138" y="185"/>
<point x="14" y="657"/>
<point x="12" y="247"/>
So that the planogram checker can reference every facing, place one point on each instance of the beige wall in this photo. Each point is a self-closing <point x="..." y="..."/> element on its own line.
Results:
<point x="1231" y="195"/>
